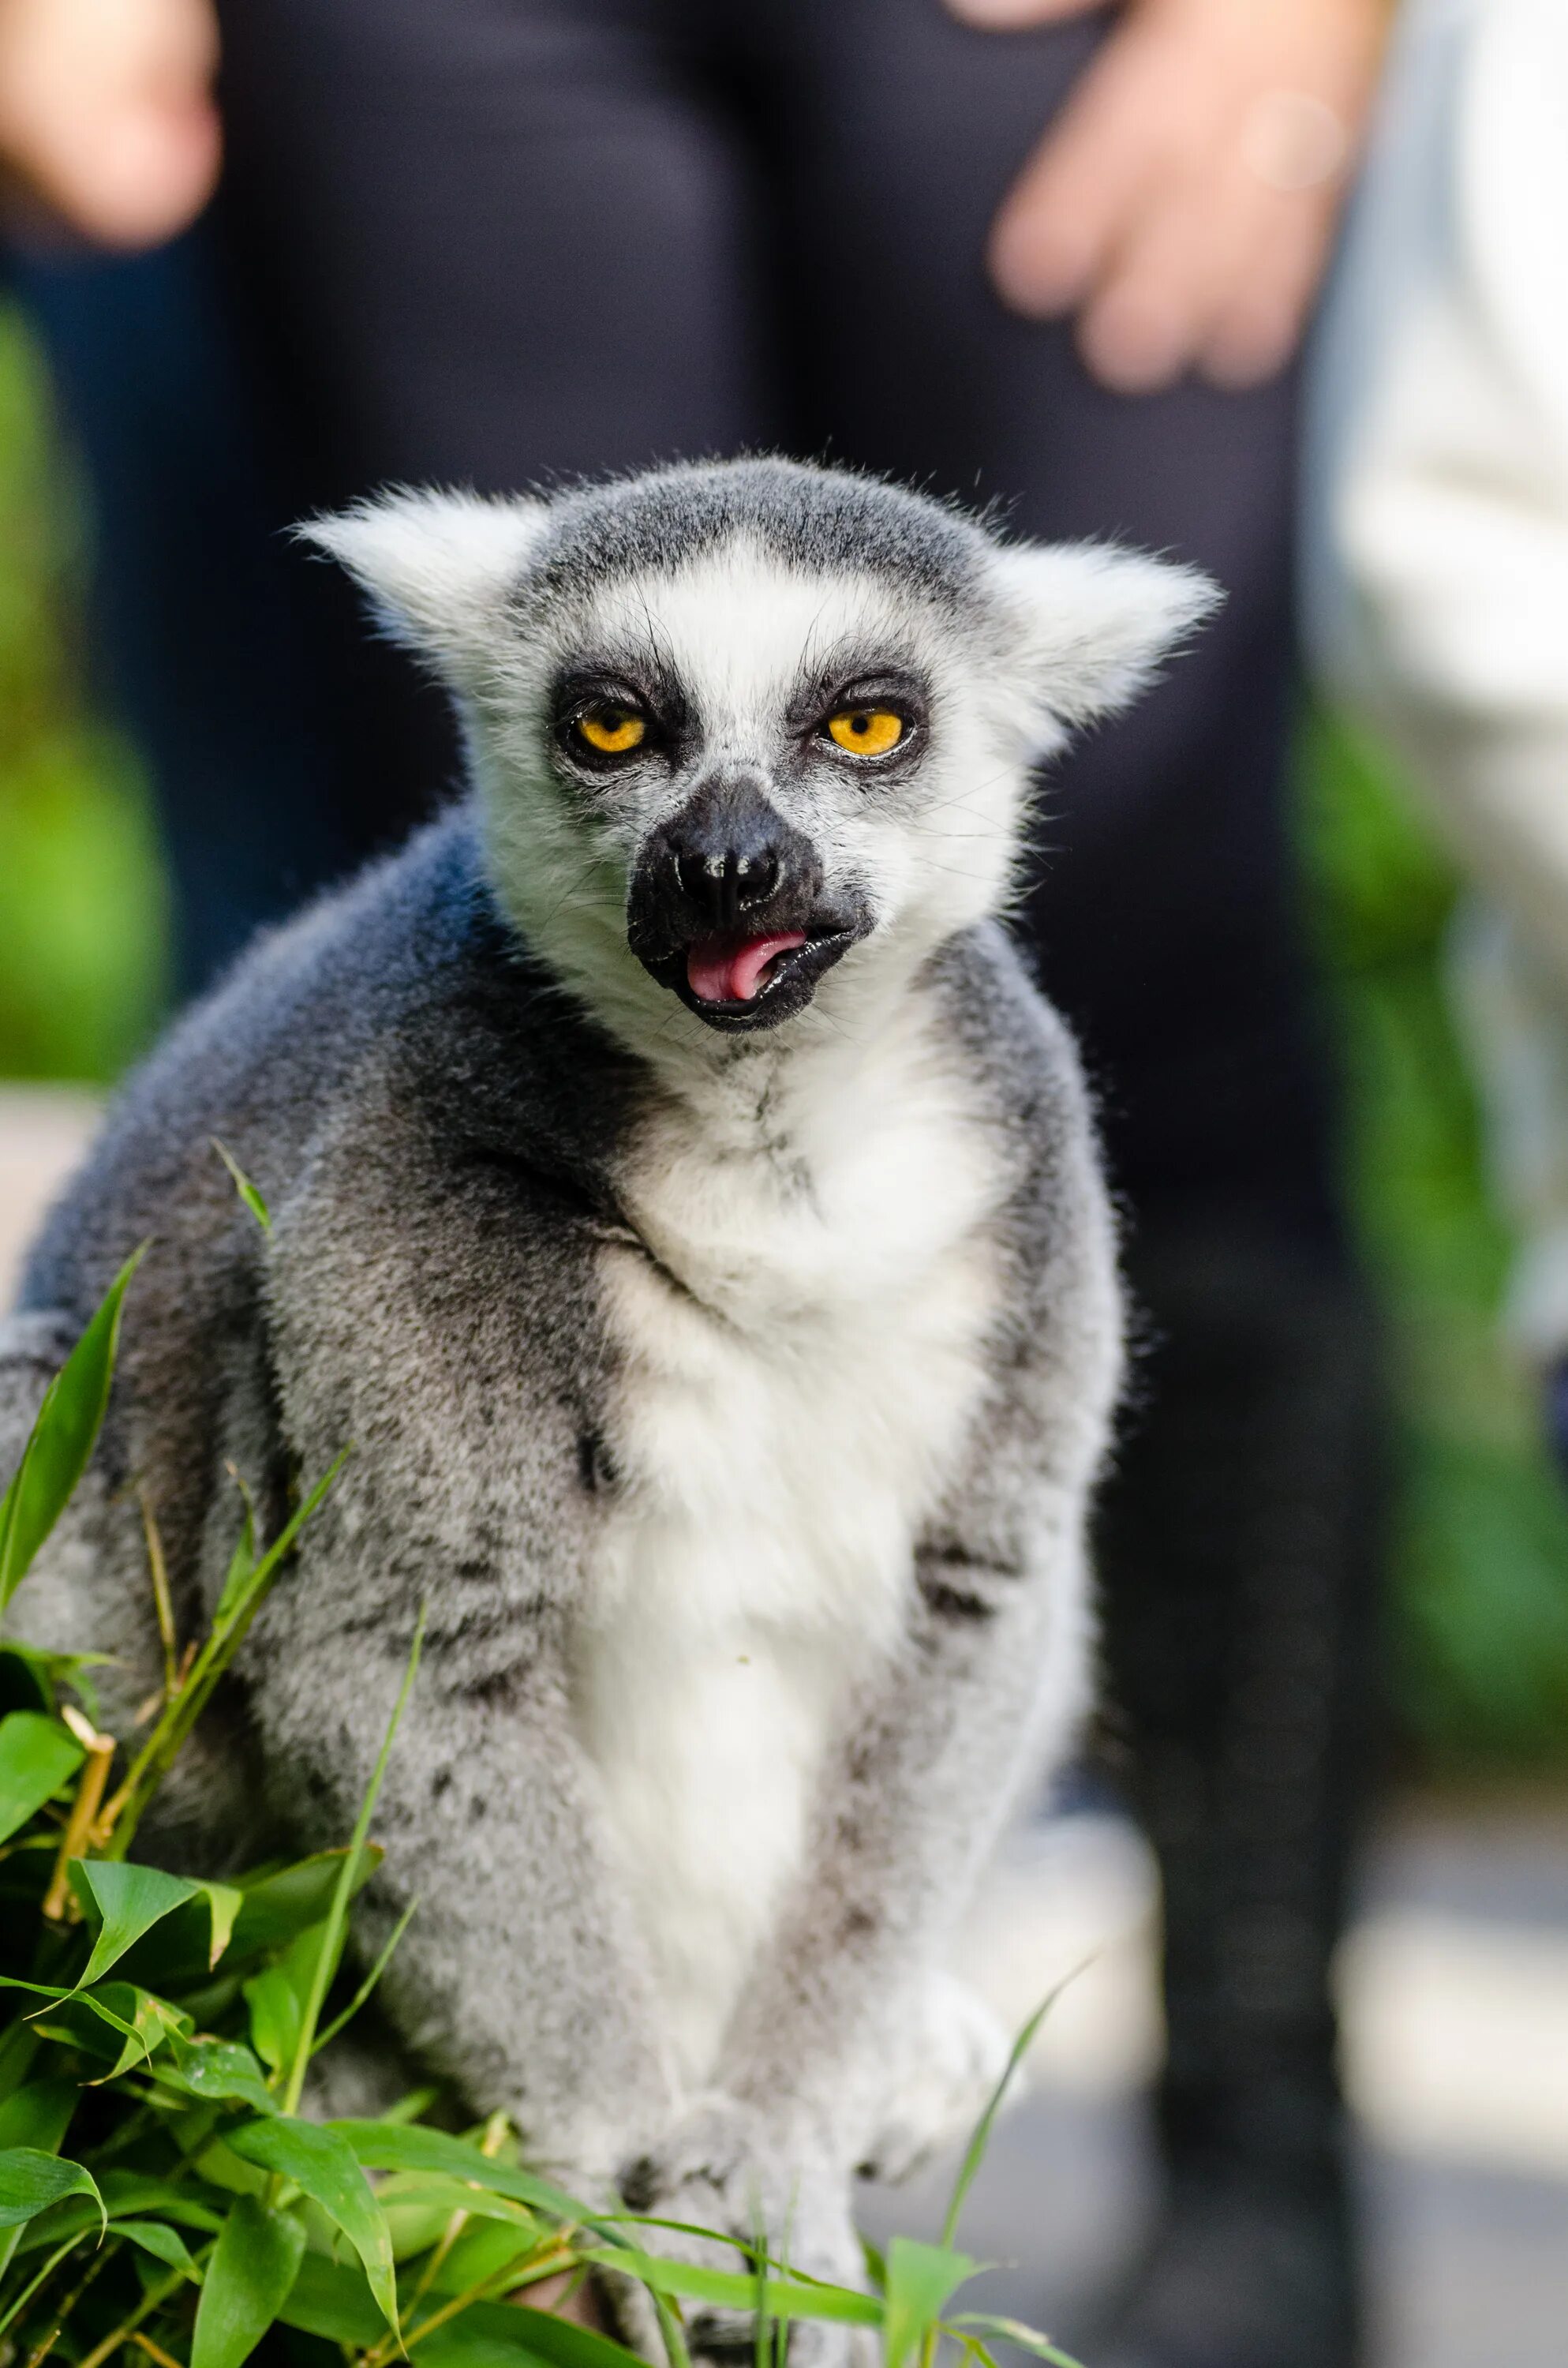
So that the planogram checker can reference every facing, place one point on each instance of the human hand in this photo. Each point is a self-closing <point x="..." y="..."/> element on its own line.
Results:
<point x="1183" y="203"/>
<point x="107" y="127"/>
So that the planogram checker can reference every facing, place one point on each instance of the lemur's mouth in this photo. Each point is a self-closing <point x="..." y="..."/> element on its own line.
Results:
<point x="737" y="982"/>
<point x="737" y="969"/>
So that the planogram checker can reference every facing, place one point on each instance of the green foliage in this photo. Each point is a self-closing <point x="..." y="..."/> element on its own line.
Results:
<point x="83" y="905"/>
<point x="1480" y="1550"/>
<point x="36" y="1755"/>
<point x="61" y="1439"/>
<point x="253" y="2267"/>
<point x="163" y="2027"/>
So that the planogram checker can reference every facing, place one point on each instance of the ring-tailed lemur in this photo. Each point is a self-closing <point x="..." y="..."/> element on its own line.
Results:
<point x="689" y="1212"/>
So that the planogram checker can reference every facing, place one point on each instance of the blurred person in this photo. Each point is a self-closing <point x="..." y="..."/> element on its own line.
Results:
<point x="1438" y="565"/>
<point x="1044" y="255"/>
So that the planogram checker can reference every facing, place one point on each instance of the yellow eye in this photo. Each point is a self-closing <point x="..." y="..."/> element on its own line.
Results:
<point x="865" y="731"/>
<point x="611" y="729"/>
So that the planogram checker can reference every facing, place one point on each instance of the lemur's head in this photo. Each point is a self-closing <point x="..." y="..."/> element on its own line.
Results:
<point x="734" y="725"/>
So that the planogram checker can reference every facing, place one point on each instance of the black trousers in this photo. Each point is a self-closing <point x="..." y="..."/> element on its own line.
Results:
<point x="502" y="241"/>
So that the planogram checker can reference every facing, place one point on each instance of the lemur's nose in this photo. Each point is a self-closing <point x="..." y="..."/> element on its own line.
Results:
<point x="724" y="882"/>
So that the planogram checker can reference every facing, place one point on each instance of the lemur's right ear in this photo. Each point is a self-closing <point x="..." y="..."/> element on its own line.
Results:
<point x="1094" y="621"/>
<point x="437" y="567"/>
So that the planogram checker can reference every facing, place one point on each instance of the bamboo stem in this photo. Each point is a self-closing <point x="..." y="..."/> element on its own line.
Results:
<point x="164" y="1602"/>
<point x="155" y="2351"/>
<point x="58" y="1902"/>
<point x="127" y="2327"/>
<point x="495" y="2130"/>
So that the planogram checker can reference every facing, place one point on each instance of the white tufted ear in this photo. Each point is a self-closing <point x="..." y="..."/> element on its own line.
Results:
<point x="437" y="567"/>
<point x="1095" y="621"/>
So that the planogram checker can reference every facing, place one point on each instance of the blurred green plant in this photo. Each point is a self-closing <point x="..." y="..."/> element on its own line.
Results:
<point x="83" y="909"/>
<point x="1480" y="1547"/>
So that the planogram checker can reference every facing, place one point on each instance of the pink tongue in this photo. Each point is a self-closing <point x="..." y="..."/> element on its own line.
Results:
<point x="729" y="970"/>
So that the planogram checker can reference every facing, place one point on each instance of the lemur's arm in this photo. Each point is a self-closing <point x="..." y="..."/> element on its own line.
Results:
<point x="990" y="1677"/>
<point x="515" y="1977"/>
<point x="403" y="1304"/>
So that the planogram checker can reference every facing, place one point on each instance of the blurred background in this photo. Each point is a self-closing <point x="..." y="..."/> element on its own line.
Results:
<point x="1452" y="1980"/>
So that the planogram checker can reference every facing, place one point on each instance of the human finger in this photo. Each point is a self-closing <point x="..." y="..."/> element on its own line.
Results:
<point x="1012" y="16"/>
<point x="1060" y="222"/>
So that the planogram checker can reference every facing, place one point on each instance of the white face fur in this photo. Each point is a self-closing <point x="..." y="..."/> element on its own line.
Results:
<point x="784" y="785"/>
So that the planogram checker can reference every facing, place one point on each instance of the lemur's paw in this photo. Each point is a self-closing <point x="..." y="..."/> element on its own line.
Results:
<point x="952" y="2059"/>
<point x="726" y="2168"/>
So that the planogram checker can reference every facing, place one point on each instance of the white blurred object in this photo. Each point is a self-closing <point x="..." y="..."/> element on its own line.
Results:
<point x="1456" y="2039"/>
<point x="44" y="1132"/>
<point x="1436" y="538"/>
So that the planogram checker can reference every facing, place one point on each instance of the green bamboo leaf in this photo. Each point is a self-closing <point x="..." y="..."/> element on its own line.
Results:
<point x="419" y="2209"/>
<point x="337" y="1914"/>
<point x="254" y="2263"/>
<point x="393" y="2146"/>
<point x="62" y="1437"/>
<point x="974" y="2153"/>
<point x="216" y="2070"/>
<point x="921" y="2280"/>
<point x="31" y="2180"/>
<point x="1013" y="2330"/>
<point x="321" y="2163"/>
<point x="137" y="2192"/>
<point x="273" y="2003"/>
<point x="780" y="2297"/>
<point x="472" y="2342"/>
<point x="277" y="1907"/>
<point x="366" y="1989"/>
<point x="70" y="2218"/>
<point x="332" y="2299"/>
<point x="120" y="2025"/>
<point x="482" y="2253"/>
<point x="412" y="2191"/>
<point x="31" y="1677"/>
<point x="147" y="2021"/>
<point x="39" y="2115"/>
<point x="242" y="1564"/>
<point x="165" y="2244"/>
<point x="128" y="2194"/>
<point x="131" y="1899"/>
<point x="244" y="1186"/>
<point x="36" y="1755"/>
<point x="127" y="1901"/>
<point x="560" y="2340"/>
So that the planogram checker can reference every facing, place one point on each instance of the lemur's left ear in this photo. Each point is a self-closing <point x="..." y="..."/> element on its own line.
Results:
<point x="1095" y="621"/>
<point x="437" y="567"/>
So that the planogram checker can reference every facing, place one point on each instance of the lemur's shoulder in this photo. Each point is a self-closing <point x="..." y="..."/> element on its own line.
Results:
<point x="1015" y="1044"/>
<point x="1058" y="1228"/>
<point x="408" y="977"/>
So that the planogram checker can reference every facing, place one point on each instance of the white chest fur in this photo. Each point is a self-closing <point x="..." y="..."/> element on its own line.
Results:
<point x="801" y="1360"/>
